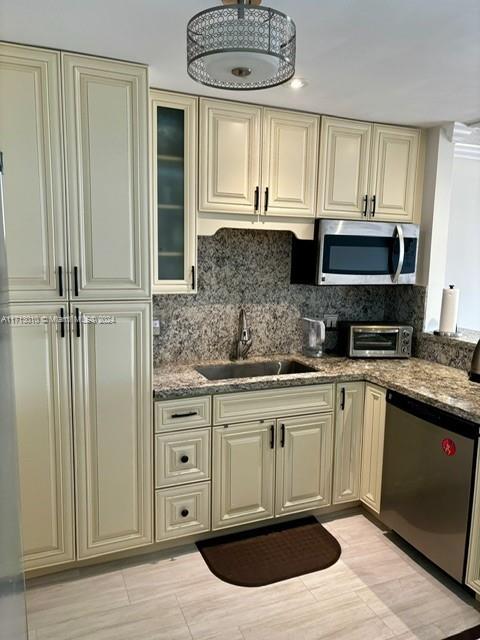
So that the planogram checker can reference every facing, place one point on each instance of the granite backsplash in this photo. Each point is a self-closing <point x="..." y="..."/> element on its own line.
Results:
<point x="453" y="352"/>
<point x="251" y="269"/>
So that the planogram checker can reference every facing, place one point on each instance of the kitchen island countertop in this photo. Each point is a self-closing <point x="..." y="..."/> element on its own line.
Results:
<point x="437" y="385"/>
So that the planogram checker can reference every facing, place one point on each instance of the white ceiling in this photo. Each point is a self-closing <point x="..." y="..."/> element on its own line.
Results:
<point x="400" y="61"/>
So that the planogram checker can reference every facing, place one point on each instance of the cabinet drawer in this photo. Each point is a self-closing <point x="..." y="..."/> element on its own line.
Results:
<point x="186" y="413"/>
<point x="256" y="405"/>
<point x="182" y="457"/>
<point x="182" y="511"/>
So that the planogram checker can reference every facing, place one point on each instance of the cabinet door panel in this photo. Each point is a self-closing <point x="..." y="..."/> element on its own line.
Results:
<point x="174" y="188"/>
<point x="243" y="474"/>
<point x="344" y="161"/>
<point x="304" y="463"/>
<point x="229" y="169"/>
<point x="107" y="181"/>
<point x="372" y="449"/>
<point x="290" y="160"/>
<point x="44" y="433"/>
<point x="30" y="139"/>
<point x="348" y="442"/>
<point x="394" y="169"/>
<point x="112" y="409"/>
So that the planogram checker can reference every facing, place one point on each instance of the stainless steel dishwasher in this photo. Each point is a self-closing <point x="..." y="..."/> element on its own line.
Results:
<point x="427" y="484"/>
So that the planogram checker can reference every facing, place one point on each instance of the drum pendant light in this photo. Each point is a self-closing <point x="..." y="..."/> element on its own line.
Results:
<point x="241" y="46"/>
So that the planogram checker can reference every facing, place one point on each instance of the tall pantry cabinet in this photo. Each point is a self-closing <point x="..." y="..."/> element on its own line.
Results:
<point x="73" y="132"/>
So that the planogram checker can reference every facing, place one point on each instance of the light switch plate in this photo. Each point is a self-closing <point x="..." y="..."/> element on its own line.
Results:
<point x="156" y="327"/>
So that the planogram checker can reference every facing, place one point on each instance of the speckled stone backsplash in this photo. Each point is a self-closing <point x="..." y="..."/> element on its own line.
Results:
<point x="251" y="269"/>
<point x="456" y="353"/>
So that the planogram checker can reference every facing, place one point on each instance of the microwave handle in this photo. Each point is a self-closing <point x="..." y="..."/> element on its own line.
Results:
<point x="401" y="256"/>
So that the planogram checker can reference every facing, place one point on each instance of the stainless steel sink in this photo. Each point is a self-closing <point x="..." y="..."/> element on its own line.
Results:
<point x="252" y="369"/>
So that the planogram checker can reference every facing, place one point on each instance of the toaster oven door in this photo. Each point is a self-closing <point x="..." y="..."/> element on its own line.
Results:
<point x="374" y="342"/>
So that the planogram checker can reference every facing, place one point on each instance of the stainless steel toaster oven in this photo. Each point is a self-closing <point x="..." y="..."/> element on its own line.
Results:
<point x="376" y="340"/>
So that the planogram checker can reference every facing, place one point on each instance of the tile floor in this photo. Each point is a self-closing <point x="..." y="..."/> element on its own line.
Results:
<point x="378" y="589"/>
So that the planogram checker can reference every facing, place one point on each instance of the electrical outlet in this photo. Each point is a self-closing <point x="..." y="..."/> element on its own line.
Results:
<point x="156" y="327"/>
<point x="330" y="320"/>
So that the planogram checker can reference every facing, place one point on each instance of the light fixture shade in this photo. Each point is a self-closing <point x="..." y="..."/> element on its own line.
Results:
<point x="241" y="47"/>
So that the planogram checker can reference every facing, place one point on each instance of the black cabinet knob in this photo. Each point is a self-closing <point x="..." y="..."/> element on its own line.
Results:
<point x="184" y="459"/>
<point x="184" y="513"/>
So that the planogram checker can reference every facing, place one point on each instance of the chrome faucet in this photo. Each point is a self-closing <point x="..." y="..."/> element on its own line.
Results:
<point x="244" y="337"/>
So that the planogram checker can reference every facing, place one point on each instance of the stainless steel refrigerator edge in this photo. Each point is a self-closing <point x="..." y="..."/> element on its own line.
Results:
<point x="13" y="625"/>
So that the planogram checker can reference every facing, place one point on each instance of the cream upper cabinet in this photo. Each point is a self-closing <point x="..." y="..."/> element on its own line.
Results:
<point x="372" y="449"/>
<point x="348" y="442"/>
<point x="344" y="168"/>
<point x="229" y="171"/>
<point x="113" y="426"/>
<point x="31" y="142"/>
<point x="290" y="161"/>
<point x="304" y="463"/>
<point x="105" y="107"/>
<point x="44" y="435"/>
<point x="173" y="151"/>
<point x="243" y="476"/>
<point x="368" y="171"/>
<point x="394" y="172"/>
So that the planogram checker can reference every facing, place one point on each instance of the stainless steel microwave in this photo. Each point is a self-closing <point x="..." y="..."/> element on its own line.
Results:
<point x="356" y="252"/>
<point x="375" y="339"/>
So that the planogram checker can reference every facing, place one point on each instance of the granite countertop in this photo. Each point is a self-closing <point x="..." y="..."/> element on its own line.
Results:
<point x="440" y="386"/>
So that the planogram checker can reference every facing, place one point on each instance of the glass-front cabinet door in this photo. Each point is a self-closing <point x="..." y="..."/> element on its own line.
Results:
<point x="174" y="160"/>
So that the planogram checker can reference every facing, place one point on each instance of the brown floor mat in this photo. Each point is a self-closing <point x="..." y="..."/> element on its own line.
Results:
<point x="468" y="634"/>
<point x="274" y="553"/>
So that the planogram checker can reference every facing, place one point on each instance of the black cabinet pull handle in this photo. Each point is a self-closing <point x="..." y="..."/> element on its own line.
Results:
<point x="75" y="281"/>
<point x="77" y="321"/>
<point x="193" y="277"/>
<point x="272" y="436"/>
<point x="282" y="436"/>
<point x="374" y="205"/>
<point x="365" y="205"/>
<point x="187" y="414"/>
<point x="60" y="282"/>
<point x="266" y="199"/>
<point x="62" y="323"/>
<point x="184" y="459"/>
<point x="257" y="198"/>
<point x="342" y="399"/>
<point x="184" y="513"/>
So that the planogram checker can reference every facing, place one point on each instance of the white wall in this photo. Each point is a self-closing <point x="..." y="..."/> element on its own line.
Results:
<point x="463" y="249"/>
<point x="435" y="221"/>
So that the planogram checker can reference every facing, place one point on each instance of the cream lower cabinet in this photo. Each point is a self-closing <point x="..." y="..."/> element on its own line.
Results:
<point x="348" y="442"/>
<point x="243" y="473"/>
<point x="473" y="562"/>
<point x="372" y="449"/>
<point x="112" y="412"/>
<point x="44" y="433"/>
<point x="304" y="448"/>
<point x="246" y="486"/>
<point x="31" y="143"/>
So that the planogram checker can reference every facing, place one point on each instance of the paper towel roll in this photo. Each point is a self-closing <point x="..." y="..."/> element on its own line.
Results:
<point x="449" y="312"/>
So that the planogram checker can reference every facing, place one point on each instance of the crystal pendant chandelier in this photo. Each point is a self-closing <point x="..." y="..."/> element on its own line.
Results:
<point x="241" y="46"/>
